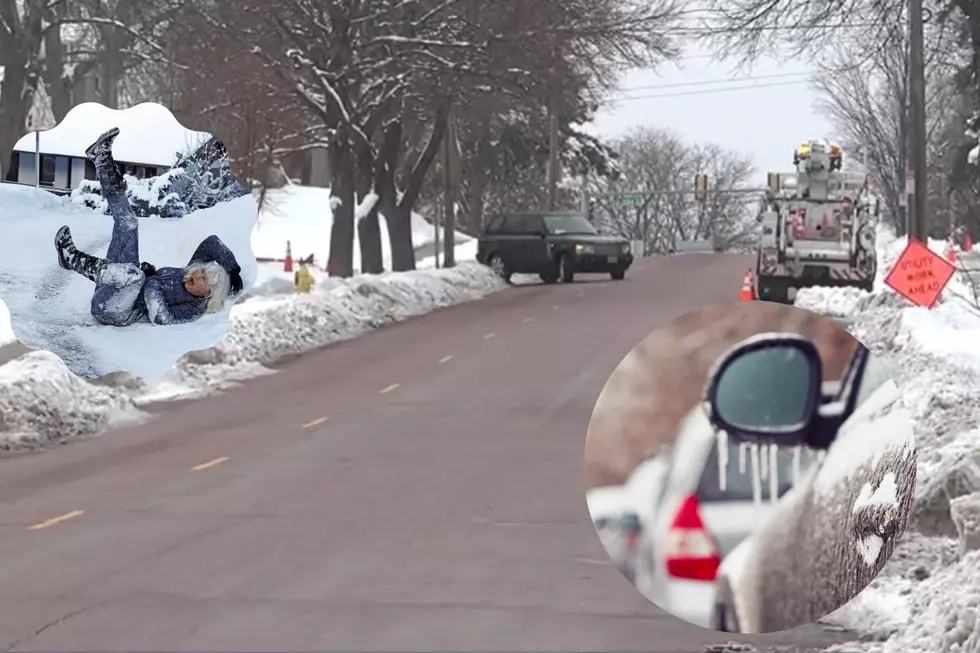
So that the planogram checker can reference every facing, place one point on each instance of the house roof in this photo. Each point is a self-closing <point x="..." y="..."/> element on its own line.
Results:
<point x="148" y="134"/>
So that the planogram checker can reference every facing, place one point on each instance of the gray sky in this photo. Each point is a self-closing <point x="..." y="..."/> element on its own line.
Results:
<point x="775" y="110"/>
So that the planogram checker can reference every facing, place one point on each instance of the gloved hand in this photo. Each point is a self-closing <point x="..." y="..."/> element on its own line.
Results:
<point x="148" y="269"/>
<point x="236" y="280"/>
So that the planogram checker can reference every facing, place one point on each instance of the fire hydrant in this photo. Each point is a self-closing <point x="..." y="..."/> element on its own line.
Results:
<point x="303" y="279"/>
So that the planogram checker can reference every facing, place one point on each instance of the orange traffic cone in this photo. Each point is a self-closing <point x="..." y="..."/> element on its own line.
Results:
<point x="747" y="293"/>
<point x="287" y="263"/>
<point x="967" y="243"/>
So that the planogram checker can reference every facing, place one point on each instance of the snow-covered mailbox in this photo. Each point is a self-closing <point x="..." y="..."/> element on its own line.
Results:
<point x="145" y="147"/>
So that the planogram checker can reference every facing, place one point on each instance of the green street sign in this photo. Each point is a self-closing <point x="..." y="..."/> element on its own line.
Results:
<point x="634" y="200"/>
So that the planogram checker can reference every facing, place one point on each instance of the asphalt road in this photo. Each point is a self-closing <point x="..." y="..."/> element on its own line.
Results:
<point x="416" y="488"/>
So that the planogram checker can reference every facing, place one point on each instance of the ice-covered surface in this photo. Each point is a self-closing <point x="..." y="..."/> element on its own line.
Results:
<point x="50" y="307"/>
<point x="927" y="598"/>
<point x="273" y="324"/>
<point x="302" y="216"/>
<point x="148" y="134"/>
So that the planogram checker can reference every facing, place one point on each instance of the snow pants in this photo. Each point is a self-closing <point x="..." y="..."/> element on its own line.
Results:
<point x="117" y="291"/>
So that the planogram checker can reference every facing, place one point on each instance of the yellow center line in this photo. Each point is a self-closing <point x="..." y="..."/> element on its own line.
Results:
<point x="316" y="422"/>
<point x="445" y="359"/>
<point x="57" y="520"/>
<point x="384" y="391"/>
<point x="489" y="335"/>
<point x="209" y="464"/>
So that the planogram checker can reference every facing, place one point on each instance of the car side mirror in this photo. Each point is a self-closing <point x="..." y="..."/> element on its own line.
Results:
<point x="766" y="390"/>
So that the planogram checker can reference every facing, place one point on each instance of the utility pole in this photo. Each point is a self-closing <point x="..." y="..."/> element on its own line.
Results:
<point x="553" y="159"/>
<point x="449" y="197"/>
<point x="918" y="227"/>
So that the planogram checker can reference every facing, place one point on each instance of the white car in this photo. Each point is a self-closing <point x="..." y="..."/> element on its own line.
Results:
<point x="831" y="535"/>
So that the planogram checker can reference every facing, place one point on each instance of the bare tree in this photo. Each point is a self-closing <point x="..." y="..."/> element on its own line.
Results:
<point x="867" y="98"/>
<point x="660" y="168"/>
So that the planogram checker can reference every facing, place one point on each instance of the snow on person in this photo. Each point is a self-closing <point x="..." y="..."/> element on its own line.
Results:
<point x="128" y="290"/>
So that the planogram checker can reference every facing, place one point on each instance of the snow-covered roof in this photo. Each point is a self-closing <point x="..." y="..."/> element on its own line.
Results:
<point x="148" y="134"/>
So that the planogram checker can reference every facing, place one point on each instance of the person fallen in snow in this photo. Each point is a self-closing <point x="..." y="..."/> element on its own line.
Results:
<point x="128" y="291"/>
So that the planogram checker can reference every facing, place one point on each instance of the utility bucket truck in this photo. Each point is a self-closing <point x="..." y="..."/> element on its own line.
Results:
<point x="818" y="227"/>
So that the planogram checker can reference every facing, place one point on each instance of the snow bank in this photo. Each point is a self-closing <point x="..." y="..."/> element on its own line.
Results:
<point x="927" y="599"/>
<point x="262" y="330"/>
<point x="50" y="307"/>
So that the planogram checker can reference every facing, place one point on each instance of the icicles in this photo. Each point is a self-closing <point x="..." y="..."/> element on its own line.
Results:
<point x="773" y="474"/>
<point x="756" y="474"/>
<point x="797" y="462"/>
<point x="722" y="442"/>
<point x="743" y="449"/>
<point x="764" y="459"/>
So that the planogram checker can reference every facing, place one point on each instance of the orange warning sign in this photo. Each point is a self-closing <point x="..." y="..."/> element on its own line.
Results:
<point x="920" y="275"/>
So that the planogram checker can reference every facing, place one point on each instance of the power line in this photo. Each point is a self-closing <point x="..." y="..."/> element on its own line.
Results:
<point x="706" y="82"/>
<point x="712" y="90"/>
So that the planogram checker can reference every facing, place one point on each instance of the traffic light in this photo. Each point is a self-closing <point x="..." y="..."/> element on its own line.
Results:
<point x="701" y="186"/>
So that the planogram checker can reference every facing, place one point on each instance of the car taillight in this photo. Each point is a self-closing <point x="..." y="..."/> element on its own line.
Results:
<point x="691" y="553"/>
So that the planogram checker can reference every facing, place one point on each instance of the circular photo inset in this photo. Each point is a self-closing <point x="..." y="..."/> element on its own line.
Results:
<point x="125" y="240"/>
<point x="750" y="467"/>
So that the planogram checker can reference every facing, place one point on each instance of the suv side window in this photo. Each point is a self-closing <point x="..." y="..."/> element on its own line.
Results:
<point x="494" y="225"/>
<point x="533" y="225"/>
<point x="513" y="224"/>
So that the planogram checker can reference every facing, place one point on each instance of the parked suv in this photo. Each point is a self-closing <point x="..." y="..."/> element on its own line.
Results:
<point x="555" y="246"/>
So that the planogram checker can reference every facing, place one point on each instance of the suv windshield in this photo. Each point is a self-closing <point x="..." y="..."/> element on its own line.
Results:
<point x="568" y="224"/>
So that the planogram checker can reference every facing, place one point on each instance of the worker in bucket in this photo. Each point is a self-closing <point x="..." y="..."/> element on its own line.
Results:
<point x="303" y="278"/>
<point x="128" y="291"/>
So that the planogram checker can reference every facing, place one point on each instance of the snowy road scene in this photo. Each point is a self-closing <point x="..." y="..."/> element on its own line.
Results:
<point x="781" y="493"/>
<point x="309" y="308"/>
<point x="90" y="275"/>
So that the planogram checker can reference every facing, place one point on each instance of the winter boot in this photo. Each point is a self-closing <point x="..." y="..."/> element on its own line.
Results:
<point x="148" y="269"/>
<point x="70" y="258"/>
<point x="100" y="153"/>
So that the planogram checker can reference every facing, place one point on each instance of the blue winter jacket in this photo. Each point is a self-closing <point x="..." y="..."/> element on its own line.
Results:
<point x="164" y="295"/>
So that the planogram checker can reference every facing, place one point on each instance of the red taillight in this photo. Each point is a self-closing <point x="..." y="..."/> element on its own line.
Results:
<point x="691" y="552"/>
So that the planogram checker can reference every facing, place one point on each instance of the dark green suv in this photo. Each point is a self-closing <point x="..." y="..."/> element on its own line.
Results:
<point x="555" y="246"/>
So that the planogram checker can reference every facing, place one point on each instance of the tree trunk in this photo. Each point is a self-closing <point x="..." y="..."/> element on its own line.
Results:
<point x="341" y="260"/>
<point x="400" y="221"/>
<point x="16" y="99"/>
<point x="369" y="238"/>
<point x="368" y="227"/>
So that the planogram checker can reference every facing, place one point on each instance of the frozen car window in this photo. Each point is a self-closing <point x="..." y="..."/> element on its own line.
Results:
<point x="875" y="376"/>
<point x="738" y="485"/>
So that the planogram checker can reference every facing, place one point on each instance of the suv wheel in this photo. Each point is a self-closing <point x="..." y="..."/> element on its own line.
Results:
<point x="549" y="277"/>
<point x="499" y="267"/>
<point x="565" y="271"/>
<point x="618" y="275"/>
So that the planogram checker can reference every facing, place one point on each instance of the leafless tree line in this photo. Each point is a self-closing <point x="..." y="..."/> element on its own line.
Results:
<point x="375" y="83"/>
<point x="661" y="168"/>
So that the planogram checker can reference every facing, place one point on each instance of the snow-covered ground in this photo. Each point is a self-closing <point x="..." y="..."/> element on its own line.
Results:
<point x="50" y="307"/>
<point x="42" y="403"/>
<point x="927" y="599"/>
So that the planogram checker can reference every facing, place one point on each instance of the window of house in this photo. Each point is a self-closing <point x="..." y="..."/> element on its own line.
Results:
<point x="48" y="169"/>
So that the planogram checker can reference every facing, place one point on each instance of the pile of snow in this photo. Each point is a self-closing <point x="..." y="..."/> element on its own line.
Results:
<point x="50" y="307"/>
<point x="262" y="330"/>
<point x="148" y="134"/>
<point x="928" y="596"/>
<point x="301" y="216"/>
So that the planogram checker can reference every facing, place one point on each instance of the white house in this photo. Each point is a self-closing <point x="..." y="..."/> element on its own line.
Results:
<point x="149" y="140"/>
